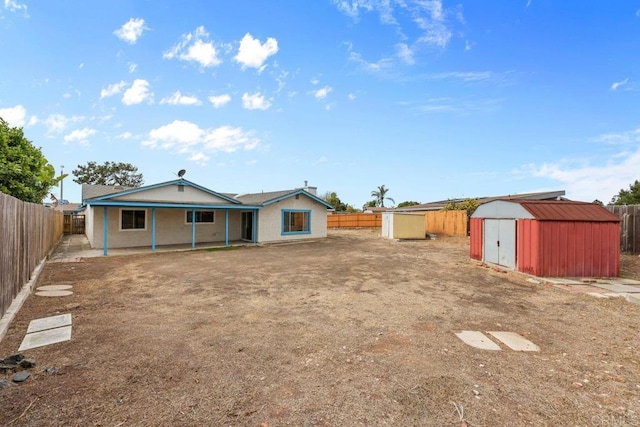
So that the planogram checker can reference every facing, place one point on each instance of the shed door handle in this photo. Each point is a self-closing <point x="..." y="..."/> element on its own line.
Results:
<point x="498" y="243"/>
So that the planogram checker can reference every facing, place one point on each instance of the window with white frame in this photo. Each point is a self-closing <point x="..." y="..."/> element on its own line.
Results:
<point x="133" y="219"/>
<point x="296" y="222"/>
<point x="207" y="217"/>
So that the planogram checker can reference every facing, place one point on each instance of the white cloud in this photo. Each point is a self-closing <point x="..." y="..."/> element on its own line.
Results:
<point x="14" y="6"/>
<point x="131" y="31"/>
<point x="195" y="47"/>
<point x="255" y="102"/>
<point x="57" y="123"/>
<point x="619" y="138"/>
<point x="132" y="67"/>
<point x="322" y="92"/>
<point x="137" y="93"/>
<point x="351" y="96"/>
<point x="467" y="76"/>
<point x="33" y="120"/>
<point x="405" y="53"/>
<point x="125" y="135"/>
<point x="419" y="24"/>
<point x="112" y="89"/>
<point x="187" y="137"/>
<point x="379" y="66"/>
<point x="219" y="100"/>
<point x="587" y="182"/>
<point x="66" y="95"/>
<point x="315" y="82"/>
<point x="199" y="158"/>
<point x="80" y="136"/>
<point x="179" y="99"/>
<point x="468" y="45"/>
<point x="616" y="85"/>
<point x="14" y="116"/>
<point x="253" y="54"/>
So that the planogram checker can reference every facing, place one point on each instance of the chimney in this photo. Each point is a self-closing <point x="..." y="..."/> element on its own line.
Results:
<point x="312" y="190"/>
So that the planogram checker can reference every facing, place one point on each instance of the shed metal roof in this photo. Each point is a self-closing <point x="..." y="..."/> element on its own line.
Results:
<point x="567" y="211"/>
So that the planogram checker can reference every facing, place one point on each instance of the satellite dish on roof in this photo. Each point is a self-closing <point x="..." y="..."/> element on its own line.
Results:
<point x="181" y="173"/>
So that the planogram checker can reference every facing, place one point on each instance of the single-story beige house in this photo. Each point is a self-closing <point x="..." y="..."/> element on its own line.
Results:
<point x="182" y="212"/>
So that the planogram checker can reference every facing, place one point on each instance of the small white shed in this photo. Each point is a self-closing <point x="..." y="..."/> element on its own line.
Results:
<point x="396" y="225"/>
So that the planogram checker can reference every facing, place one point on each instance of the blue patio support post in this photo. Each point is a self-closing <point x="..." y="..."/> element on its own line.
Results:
<point x="254" y="225"/>
<point x="153" y="229"/>
<point x="193" y="228"/>
<point x="226" y="227"/>
<point x="105" y="239"/>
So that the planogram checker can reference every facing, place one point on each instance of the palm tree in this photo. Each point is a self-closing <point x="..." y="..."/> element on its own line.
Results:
<point x="380" y="196"/>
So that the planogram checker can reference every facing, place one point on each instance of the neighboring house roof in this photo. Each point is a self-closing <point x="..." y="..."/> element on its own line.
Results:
<point x="435" y="206"/>
<point x="545" y="210"/>
<point x="69" y="207"/>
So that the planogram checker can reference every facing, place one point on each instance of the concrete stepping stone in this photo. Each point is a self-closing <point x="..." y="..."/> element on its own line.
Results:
<point x="54" y="288"/>
<point x="54" y="293"/>
<point x="515" y="341"/>
<point x="626" y="289"/>
<point x="478" y="340"/>
<point x="52" y="322"/>
<point x="42" y="338"/>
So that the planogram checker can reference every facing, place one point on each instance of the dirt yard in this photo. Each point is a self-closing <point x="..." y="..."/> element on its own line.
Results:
<point x="352" y="330"/>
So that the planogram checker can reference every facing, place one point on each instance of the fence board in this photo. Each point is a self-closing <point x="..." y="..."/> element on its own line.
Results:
<point x="27" y="232"/>
<point x="354" y="220"/>
<point x="629" y="227"/>
<point x="452" y="223"/>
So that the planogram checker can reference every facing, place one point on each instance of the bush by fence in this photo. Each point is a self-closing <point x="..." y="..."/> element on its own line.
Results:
<point x="27" y="232"/>
<point x="629" y="227"/>
<point x="361" y="220"/>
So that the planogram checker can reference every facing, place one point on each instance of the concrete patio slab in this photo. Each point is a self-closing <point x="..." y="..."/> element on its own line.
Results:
<point x="52" y="322"/>
<point x="54" y="288"/>
<point x="42" y="338"/>
<point x="627" y="289"/>
<point x="632" y="298"/>
<point x="54" y="293"/>
<point x="478" y="340"/>
<point x="515" y="341"/>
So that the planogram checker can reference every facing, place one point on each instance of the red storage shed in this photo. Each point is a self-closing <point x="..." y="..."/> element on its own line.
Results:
<point x="547" y="238"/>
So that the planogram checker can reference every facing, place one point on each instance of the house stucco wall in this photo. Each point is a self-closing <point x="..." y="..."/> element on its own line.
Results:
<point x="171" y="228"/>
<point x="88" y="223"/>
<point x="270" y="220"/>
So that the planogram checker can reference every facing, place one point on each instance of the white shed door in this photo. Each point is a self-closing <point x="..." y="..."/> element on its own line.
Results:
<point x="500" y="242"/>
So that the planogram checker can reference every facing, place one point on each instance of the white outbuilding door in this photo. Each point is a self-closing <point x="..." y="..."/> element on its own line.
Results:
<point x="500" y="242"/>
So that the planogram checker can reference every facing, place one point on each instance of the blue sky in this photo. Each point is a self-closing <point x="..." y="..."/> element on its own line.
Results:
<point x="433" y="99"/>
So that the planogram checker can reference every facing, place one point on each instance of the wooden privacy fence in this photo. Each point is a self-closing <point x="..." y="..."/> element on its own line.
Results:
<point x="27" y="232"/>
<point x="629" y="227"/>
<point x="451" y="223"/>
<point x="361" y="220"/>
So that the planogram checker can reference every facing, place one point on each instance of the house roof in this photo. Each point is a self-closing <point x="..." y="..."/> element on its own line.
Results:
<point x="90" y="191"/>
<point x="568" y="211"/>
<point x="109" y="196"/>
<point x="130" y="190"/>
<point x="435" y="206"/>
<point x="545" y="210"/>
<point x="270" y="197"/>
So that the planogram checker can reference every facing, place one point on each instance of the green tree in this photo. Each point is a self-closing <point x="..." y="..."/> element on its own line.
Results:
<point x="628" y="197"/>
<point x="407" y="203"/>
<point x="24" y="171"/>
<point x="380" y="195"/>
<point x="469" y="205"/>
<point x="333" y="199"/>
<point x="109" y="173"/>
